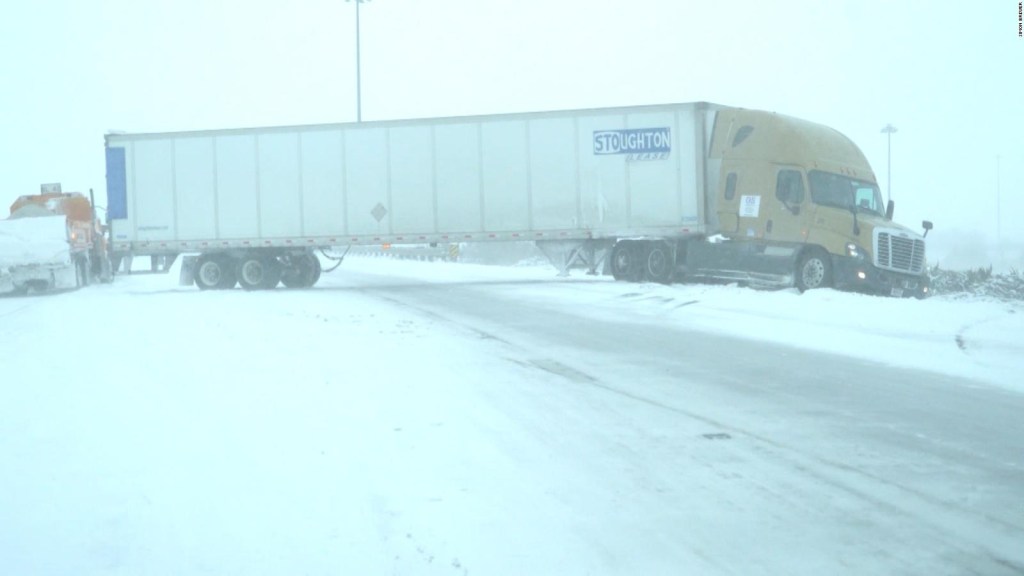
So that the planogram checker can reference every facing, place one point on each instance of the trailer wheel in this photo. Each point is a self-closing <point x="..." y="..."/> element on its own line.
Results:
<point x="658" y="263"/>
<point x="814" y="270"/>
<point x="214" y="272"/>
<point x="272" y="273"/>
<point x="207" y="275"/>
<point x="317" y="269"/>
<point x="625" y="261"/>
<point x="303" y="272"/>
<point x="259" y="272"/>
<point x="228" y="277"/>
<point x="292" y="272"/>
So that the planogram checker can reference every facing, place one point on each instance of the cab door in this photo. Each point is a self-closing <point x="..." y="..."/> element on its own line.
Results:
<point x="743" y="199"/>
<point x="788" y="209"/>
<point x="728" y="204"/>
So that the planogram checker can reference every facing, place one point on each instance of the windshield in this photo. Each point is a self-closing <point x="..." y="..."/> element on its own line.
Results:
<point x="829" y="189"/>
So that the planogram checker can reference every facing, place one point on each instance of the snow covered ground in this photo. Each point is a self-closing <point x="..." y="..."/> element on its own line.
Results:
<point x="147" y="428"/>
<point x="971" y="337"/>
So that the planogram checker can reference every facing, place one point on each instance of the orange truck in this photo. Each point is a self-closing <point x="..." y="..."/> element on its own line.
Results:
<point x="51" y="241"/>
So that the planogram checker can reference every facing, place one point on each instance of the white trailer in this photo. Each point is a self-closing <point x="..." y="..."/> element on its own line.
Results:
<point x="255" y="202"/>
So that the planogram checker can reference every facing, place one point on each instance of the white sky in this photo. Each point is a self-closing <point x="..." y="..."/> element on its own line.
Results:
<point x="947" y="76"/>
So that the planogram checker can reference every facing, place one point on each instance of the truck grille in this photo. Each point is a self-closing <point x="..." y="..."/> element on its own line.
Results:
<point x="899" y="253"/>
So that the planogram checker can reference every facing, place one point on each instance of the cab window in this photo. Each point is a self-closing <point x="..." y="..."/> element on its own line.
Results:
<point x="789" y="187"/>
<point x="868" y="199"/>
<point x="828" y="189"/>
<point x="730" y="186"/>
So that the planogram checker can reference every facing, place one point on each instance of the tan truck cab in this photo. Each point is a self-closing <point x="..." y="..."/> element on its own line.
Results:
<point x="800" y="206"/>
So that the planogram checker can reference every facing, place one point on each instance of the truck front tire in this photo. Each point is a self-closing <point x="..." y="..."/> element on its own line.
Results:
<point x="813" y="270"/>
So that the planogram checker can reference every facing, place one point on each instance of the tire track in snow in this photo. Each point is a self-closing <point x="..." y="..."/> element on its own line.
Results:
<point x="943" y="516"/>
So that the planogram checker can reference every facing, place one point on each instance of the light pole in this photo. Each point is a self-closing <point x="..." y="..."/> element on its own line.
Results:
<point x="889" y="130"/>
<point x="359" y="88"/>
<point x="999" y="221"/>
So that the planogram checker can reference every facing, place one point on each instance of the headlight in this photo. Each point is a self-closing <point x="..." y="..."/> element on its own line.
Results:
<point x="854" y="251"/>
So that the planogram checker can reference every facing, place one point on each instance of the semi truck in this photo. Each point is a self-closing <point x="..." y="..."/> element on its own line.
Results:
<point x="656" y="193"/>
<point x="51" y="241"/>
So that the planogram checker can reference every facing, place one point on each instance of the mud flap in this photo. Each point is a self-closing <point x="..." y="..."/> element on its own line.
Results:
<point x="188" y="270"/>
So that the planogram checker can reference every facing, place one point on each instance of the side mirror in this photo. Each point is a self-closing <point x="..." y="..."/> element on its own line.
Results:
<point x="889" y="209"/>
<point x="785" y="195"/>
<point x="927" y="225"/>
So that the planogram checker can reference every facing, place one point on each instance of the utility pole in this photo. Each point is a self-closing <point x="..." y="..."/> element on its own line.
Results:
<point x="359" y="87"/>
<point x="889" y="130"/>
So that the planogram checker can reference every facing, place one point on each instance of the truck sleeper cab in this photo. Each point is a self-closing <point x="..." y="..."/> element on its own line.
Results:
<point x="798" y="205"/>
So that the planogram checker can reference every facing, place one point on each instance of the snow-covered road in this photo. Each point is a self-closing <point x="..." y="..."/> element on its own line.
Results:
<point x="418" y="418"/>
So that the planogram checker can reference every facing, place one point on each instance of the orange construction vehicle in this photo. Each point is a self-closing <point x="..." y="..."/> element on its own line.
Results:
<point x="52" y="240"/>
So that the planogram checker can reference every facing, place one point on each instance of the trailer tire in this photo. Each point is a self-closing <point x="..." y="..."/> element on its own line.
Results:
<point x="658" y="263"/>
<point x="317" y="269"/>
<point x="229" y="278"/>
<point x="303" y="272"/>
<point x="272" y="277"/>
<point x="293" y="272"/>
<point x="258" y="272"/>
<point x="214" y="272"/>
<point x="813" y="270"/>
<point x="625" y="261"/>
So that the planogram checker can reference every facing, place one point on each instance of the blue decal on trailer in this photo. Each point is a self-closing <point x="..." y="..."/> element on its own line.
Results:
<point x="117" y="184"/>
<point x="636" y="143"/>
